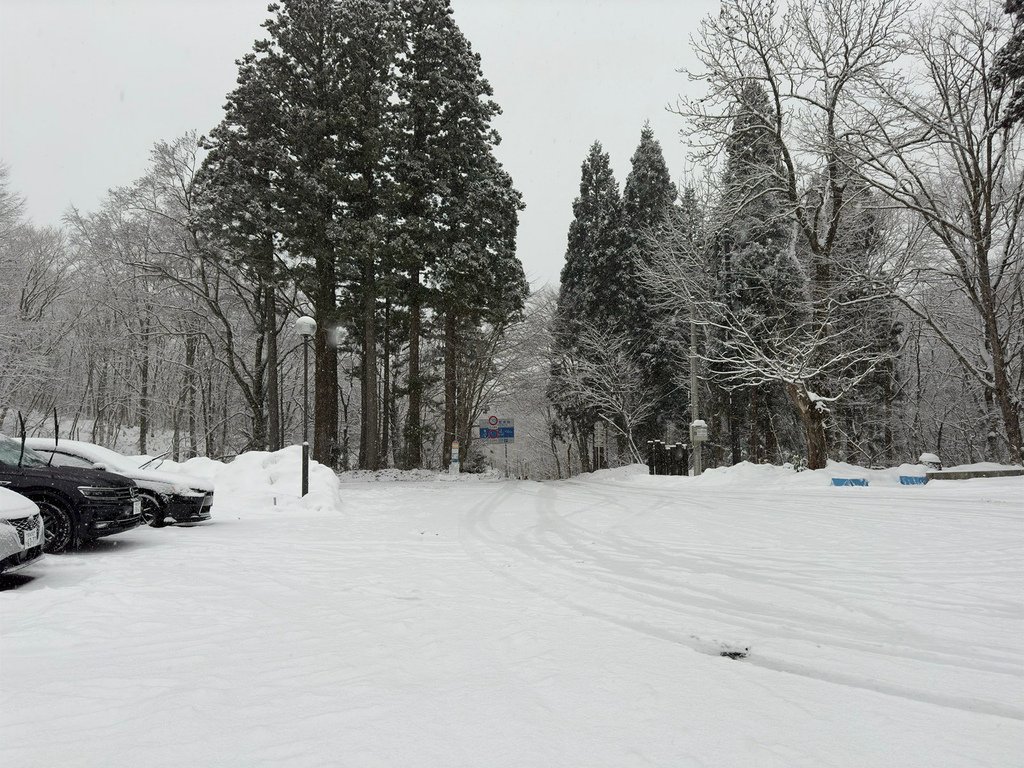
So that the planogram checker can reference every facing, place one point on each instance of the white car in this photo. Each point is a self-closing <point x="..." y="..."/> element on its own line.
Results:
<point x="167" y="497"/>
<point x="21" y="531"/>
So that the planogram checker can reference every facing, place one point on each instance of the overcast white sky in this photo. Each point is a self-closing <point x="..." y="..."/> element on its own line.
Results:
<point x="87" y="87"/>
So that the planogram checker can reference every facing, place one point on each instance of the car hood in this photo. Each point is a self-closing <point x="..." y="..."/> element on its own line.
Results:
<point x="14" y="505"/>
<point x="72" y="474"/>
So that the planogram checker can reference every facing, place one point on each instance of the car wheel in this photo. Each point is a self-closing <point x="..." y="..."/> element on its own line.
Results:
<point x="58" y="525"/>
<point x="152" y="511"/>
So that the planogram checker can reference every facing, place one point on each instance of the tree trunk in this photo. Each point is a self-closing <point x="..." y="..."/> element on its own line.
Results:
<point x="813" y="422"/>
<point x="224" y="425"/>
<point x="369" y="428"/>
<point x="345" y="440"/>
<point x="99" y="405"/>
<point x="273" y="395"/>
<point x="584" y="448"/>
<point x="754" y="448"/>
<point x="414" y="430"/>
<point x="257" y="401"/>
<point x="144" y="387"/>
<point x="190" y="394"/>
<point x="205" y="402"/>
<point x="735" y="429"/>
<point x="325" y="393"/>
<point x="1004" y="394"/>
<point x="385" y="422"/>
<point x="325" y="398"/>
<point x="450" y="387"/>
<point x="554" y="446"/>
<point x="176" y="431"/>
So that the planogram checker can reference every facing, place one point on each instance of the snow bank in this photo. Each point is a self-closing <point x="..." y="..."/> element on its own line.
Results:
<point x="746" y="474"/>
<point x="264" y="481"/>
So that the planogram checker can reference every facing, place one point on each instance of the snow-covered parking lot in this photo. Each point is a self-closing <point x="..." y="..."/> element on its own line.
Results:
<point x="493" y="623"/>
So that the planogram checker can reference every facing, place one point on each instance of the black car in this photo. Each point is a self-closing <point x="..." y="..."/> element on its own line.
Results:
<point x="77" y="505"/>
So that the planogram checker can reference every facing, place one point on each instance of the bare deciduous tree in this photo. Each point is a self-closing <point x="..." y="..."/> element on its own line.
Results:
<point x="603" y="374"/>
<point x="935" y="144"/>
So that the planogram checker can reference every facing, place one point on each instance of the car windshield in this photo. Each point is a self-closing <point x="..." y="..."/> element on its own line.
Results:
<point x="10" y="453"/>
<point x="98" y="455"/>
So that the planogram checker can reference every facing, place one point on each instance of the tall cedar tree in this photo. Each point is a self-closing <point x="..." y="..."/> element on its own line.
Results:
<point x="592" y="281"/>
<point x="444" y="110"/>
<point x="478" y="280"/>
<point x="374" y="116"/>
<point x="647" y="198"/>
<point x="235" y="205"/>
<point x="307" y="128"/>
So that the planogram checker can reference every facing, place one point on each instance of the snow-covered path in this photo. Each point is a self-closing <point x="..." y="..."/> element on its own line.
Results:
<point x="577" y="623"/>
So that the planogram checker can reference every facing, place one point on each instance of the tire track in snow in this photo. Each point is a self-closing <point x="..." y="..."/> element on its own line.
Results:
<point x="639" y="580"/>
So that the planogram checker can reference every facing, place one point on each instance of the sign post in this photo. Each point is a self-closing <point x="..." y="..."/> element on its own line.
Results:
<point x="453" y="467"/>
<point x="698" y="435"/>
<point x="494" y="431"/>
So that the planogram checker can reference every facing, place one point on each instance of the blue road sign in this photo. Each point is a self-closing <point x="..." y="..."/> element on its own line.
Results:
<point x="495" y="431"/>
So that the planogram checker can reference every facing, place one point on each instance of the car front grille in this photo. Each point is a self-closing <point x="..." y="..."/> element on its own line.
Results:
<point x="30" y="523"/>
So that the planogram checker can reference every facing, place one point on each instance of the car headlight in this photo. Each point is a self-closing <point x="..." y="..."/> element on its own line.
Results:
<point x="182" y="490"/>
<point x="96" y="492"/>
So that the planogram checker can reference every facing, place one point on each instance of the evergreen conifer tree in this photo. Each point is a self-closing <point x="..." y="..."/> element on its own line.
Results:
<point x="235" y="204"/>
<point x="595" y="276"/>
<point x="357" y="134"/>
<point x="647" y="198"/>
<point x="309" y="122"/>
<point x="757" y="278"/>
<point x="1008" y="71"/>
<point x="444" y="110"/>
<point x="479" y="281"/>
<point x="864" y="418"/>
<point x="594" y="280"/>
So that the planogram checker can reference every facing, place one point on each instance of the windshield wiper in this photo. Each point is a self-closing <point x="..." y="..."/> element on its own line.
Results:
<point x="21" y="422"/>
<point x="56" y="437"/>
<point x="146" y="464"/>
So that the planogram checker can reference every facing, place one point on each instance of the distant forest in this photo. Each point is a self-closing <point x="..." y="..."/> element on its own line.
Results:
<point x="842" y="270"/>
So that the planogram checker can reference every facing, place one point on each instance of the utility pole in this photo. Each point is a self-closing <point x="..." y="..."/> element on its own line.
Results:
<point x="698" y="430"/>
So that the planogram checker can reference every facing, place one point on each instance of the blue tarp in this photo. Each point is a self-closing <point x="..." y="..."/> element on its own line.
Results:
<point x="913" y="479"/>
<point x="849" y="481"/>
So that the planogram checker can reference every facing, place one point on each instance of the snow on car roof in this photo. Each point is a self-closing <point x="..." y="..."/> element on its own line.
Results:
<point x="89" y="451"/>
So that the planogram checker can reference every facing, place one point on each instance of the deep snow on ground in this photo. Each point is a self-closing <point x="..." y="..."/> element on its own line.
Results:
<point x="500" y="623"/>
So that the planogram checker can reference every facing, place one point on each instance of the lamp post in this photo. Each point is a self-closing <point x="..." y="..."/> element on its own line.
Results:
<point x="306" y="327"/>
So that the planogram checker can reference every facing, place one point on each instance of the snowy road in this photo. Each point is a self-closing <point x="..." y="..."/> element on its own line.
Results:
<point x="577" y="623"/>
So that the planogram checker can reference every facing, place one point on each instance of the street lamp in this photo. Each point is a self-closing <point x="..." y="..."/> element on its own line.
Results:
<point x="306" y="327"/>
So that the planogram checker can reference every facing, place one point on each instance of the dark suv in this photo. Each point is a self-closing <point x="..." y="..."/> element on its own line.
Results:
<point x="77" y="505"/>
